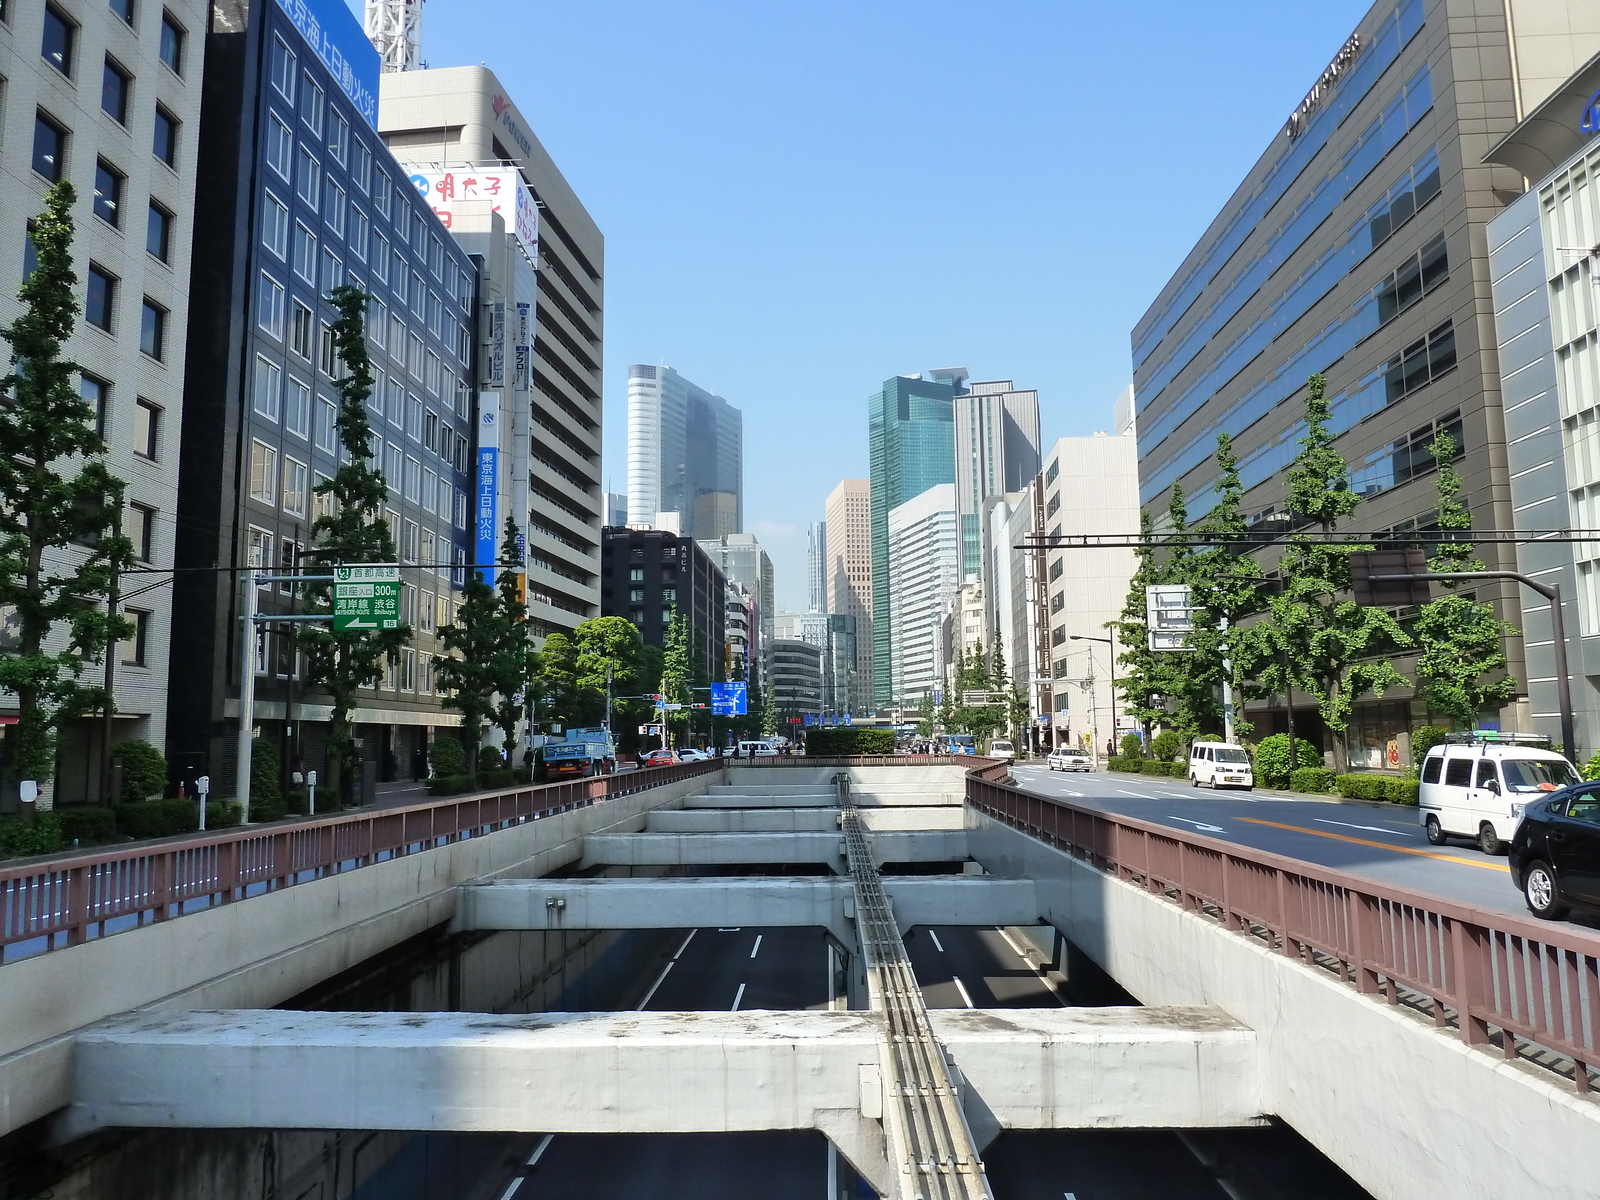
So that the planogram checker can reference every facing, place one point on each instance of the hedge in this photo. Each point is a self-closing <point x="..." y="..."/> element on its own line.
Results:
<point x="144" y="770"/>
<point x="21" y="840"/>
<point x="1313" y="779"/>
<point x="88" y="823"/>
<point x="1369" y="786"/>
<point x="446" y="755"/>
<point x="843" y="740"/>
<point x="1168" y="744"/>
<point x="163" y="818"/>
<point x="1133" y="765"/>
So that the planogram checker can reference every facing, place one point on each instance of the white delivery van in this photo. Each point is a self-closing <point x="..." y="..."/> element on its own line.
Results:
<point x="757" y="750"/>
<point x="1475" y="785"/>
<point x="1220" y="764"/>
<point x="1002" y="748"/>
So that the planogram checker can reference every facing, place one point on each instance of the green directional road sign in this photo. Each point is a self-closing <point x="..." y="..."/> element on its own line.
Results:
<point x="366" y="598"/>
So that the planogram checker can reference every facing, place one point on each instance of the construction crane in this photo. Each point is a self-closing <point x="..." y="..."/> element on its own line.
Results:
<point x="394" y="27"/>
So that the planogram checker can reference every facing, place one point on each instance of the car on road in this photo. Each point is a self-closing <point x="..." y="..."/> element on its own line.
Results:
<point x="1220" y="764"/>
<point x="1002" y="748"/>
<point x="690" y="754"/>
<point x="659" y="758"/>
<point x="1554" y="854"/>
<point x="750" y="749"/>
<point x="1069" y="760"/>
<point x="1478" y="785"/>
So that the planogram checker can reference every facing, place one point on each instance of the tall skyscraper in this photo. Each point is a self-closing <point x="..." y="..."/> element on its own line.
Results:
<point x="685" y="453"/>
<point x="924" y="558"/>
<point x="816" y="567"/>
<point x="912" y="448"/>
<point x="539" y="342"/>
<point x="847" y="582"/>
<point x="743" y="561"/>
<point x="997" y="451"/>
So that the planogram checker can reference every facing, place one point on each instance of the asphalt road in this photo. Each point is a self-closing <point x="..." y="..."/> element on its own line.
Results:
<point x="1382" y="842"/>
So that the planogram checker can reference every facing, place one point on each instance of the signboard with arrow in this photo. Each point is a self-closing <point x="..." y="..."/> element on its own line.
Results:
<point x="366" y="598"/>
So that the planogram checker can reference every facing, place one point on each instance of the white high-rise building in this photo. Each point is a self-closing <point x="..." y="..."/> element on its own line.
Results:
<point x="742" y="560"/>
<point x="997" y="451"/>
<point x="816" y="567"/>
<point x="685" y="453"/>
<point x="924" y="569"/>
<point x="847" y="576"/>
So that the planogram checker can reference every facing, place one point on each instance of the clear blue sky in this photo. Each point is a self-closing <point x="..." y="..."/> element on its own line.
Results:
<point x="801" y="199"/>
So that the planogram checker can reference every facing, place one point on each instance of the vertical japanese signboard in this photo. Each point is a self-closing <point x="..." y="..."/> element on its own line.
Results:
<point x="486" y="512"/>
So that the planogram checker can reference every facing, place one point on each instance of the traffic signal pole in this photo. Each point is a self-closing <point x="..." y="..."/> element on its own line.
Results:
<point x="1558" y="634"/>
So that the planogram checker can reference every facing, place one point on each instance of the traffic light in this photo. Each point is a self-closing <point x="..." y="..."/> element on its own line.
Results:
<point x="1382" y="593"/>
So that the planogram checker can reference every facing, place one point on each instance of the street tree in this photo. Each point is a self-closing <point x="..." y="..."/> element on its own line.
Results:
<point x="352" y="531"/>
<point x="1143" y="681"/>
<point x="1315" y="638"/>
<point x="612" y="643"/>
<point x="60" y="540"/>
<point x="466" y="672"/>
<point x="676" y="671"/>
<point x="1461" y="666"/>
<point x="513" y="661"/>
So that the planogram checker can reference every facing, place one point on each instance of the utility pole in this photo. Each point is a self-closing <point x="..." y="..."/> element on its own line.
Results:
<point x="609" y="665"/>
<point x="247" y="697"/>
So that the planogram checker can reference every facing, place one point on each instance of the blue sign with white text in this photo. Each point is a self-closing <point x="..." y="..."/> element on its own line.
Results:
<point x="488" y="481"/>
<point x="336" y="37"/>
<point x="729" y="699"/>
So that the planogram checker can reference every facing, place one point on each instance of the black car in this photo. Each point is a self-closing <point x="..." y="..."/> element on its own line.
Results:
<point x="1555" y="853"/>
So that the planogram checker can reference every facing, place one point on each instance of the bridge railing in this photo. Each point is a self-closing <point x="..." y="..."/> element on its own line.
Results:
<point x="876" y="760"/>
<point x="1498" y="977"/>
<point x="63" y="900"/>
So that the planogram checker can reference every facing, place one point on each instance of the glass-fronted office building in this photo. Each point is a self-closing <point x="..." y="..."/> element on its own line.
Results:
<point x="297" y="195"/>
<point x="1355" y="247"/>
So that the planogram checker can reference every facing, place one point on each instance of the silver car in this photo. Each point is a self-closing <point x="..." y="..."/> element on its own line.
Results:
<point x="1069" y="760"/>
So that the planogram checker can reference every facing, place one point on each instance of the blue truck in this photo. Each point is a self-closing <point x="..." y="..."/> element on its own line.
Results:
<point x="581" y="753"/>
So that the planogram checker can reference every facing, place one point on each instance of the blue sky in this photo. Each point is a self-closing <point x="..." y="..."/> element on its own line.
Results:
<point x="803" y="199"/>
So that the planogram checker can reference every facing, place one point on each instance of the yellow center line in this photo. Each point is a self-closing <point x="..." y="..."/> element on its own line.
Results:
<point x="1341" y="837"/>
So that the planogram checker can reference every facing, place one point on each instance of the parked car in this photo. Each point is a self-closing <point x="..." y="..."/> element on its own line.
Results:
<point x="1002" y="748"/>
<point x="1220" y="764"/>
<point x="1478" y="785"/>
<point x="659" y="758"/>
<point x="1555" y="852"/>
<point x="690" y="754"/>
<point x="1069" y="759"/>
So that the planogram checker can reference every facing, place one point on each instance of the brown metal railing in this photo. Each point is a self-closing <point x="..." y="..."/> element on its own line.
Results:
<point x="1500" y="978"/>
<point x="49" y="903"/>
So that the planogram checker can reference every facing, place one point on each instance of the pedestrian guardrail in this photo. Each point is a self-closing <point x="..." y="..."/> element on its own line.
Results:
<point x="1525" y="987"/>
<point x="50" y="903"/>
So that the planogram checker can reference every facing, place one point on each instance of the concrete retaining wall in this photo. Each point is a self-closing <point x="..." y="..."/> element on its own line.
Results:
<point x="1410" y="1112"/>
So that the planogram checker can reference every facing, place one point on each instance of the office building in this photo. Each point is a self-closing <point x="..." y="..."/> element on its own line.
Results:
<point x="833" y="634"/>
<point x="911" y="445"/>
<point x="847" y="576"/>
<point x="1018" y="614"/>
<point x="300" y="197"/>
<point x="539" y="350"/>
<point x="616" y="508"/>
<point x="816" y="567"/>
<point x="648" y="574"/>
<point x="1355" y="247"/>
<point x="996" y="451"/>
<point x="739" y="626"/>
<point x="1090" y="485"/>
<point x="924" y="563"/>
<point x="113" y="105"/>
<point x="741" y="558"/>
<point x="685" y="453"/>
<point x="796" y="681"/>
<point x="1544" y="273"/>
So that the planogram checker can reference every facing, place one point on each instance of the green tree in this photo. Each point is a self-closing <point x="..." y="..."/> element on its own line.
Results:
<point x="470" y="668"/>
<point x="1461" y="666"/>
<point x="1143" y="681"/>
<point x="512" y="660"/>
<point x="1328" y="646"/>
<point x="614" y="643"/>
<point x="59" y="542"/>
<point x="925" y="716"/>
<point x="556" y="680"/>
<point x="353" y="532"/>
<point x="1226" y="585"/>
<point x="676" y="671"/>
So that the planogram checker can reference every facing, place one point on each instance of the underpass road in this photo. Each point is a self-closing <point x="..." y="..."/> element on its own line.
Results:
<point x="1381" y="842"/>
<point x="966" y="967"/>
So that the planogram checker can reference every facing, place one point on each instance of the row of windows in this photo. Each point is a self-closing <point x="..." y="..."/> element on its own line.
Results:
<point x="146" y="441"/>
<point x="1403" y="460"/>
<point x="1413" y="279"/>
<point x="100" y="306"/>
<point x="60" y="40"/>
<point x="51" y="138"/>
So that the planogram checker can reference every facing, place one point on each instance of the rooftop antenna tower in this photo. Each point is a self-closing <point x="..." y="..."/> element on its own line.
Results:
<point x="394" y="27"/>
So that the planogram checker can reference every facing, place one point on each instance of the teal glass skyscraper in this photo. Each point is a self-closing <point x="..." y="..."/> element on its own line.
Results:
<point x="911" y="435"/>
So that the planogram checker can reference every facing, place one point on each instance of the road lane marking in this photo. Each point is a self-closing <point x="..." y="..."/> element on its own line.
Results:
<point x="662" y="978"/>
<point x="511" y="1188"/>
<point x="1198" y="824"/>
<point x="735" y="929"/>
<point x="757" y="946"/>
<point x="738" y="996"/>
<point x="543" y="1146"/>
<point x="1344" y="837"/>
<point x="1368" y="828"/>
<point x="1135" y="795"/>
<point x="1032" y="966"/>
<point x="962" y="988"/>
<point x="936" y="940"/>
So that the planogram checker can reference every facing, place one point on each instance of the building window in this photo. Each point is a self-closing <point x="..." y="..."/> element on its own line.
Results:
<point x="332" y="271"/>
<point x="1058" y="636"/>
<point x="1052" y="505"/>
<point x="264" y="477"/>
<point x="294" y="487"/>
<point x="165" y="144"/>
<point x="268" y="392"/>
<point x="327" y="356"/>
<point x="96" y="394"/>
<point x="322" y="502"/>
<point x="309" y="186"/>
<point x="280" y="146"/>
<point x="338" y="137"/>
<point x="1056" y="569"/>
<point x="158" y="233"/>
<point x="123" y="9"/>
<point x="1058" y="602"/>
<point x="108" y="193"/>
<point x="49" y="147"/>
<point x="636" y="595"/>
<point x="153" y="329"/>
<point x="408" y="670"/>
<point x="142" y="531"/>
<point x="300" y="326"/>
<point x="133" y="650"/>
<point x="358" y="233"/>
<point x="327" y="424"/>
<point x="297" y="408"/>
<point x="114" y="92"/>
<point x="1413" y="279"/>
<point x="60" y="35"/>
<point x="259" y="551"/>
<point x="334" y="203"/>
<point x="283" y="69"/>
<point x="430" y="491"/>
<point x="305" y="253"/>
<point x="393" y="470"/>
<point x="100" y="299"/>
<point x="311" y="106"/>
<point x="270" y="306"/>
<point x="172" y="38"/>
<point x="1420" y="363"/>
<point x="275" y="226"/>
<point x="413" y="488"/>
<point x="380" y="257"/>
<point x="414" y="418"/>
<point x="146" y="428"/>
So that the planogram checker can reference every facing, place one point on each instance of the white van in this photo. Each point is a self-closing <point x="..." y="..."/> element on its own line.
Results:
<point x="1476" y="784"/>
<point x="1220" y="764"/>
<point x="757" y="750"/>
<point x="1002" y="748"/>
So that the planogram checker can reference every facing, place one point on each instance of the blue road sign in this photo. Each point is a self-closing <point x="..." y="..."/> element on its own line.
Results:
<point x="729" y="699"/>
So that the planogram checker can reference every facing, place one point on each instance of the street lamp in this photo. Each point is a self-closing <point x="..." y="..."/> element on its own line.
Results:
<point x="1111" y="654"/>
